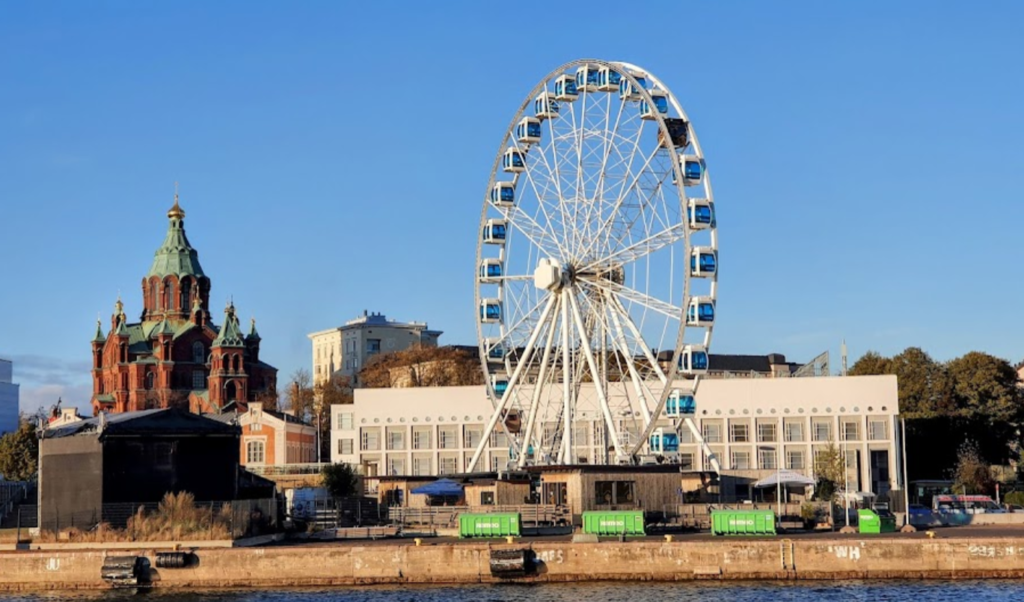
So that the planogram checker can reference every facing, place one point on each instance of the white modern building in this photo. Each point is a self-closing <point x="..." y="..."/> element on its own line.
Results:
<point x="8" y="398"/>
<point x="345" y="349"/>
<point x="752" y="426"/>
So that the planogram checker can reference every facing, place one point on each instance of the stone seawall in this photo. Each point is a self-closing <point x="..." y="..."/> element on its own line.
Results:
<point x="349" y="564"/>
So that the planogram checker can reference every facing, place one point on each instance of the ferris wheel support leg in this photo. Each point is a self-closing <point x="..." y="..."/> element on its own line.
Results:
<point x="643" y="393"/>
<point x="704" y="446"/>
<point x="565" y="454"/>
<point x="636" y="334"/>
<point x="507" y="395"/>
<point x="535" y="402"/>
<point x="601" y="393"/>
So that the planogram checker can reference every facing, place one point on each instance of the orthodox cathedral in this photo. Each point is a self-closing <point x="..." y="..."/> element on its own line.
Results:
<point x="175" y="355"/>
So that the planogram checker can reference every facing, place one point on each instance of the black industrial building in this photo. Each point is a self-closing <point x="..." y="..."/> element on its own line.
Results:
<point x="135" y="458"/>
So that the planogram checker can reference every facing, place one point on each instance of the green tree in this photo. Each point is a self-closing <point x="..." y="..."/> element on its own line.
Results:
<point x="19" y="453"/>
<point x="986" y="386"/>
<point x="830" y="470"/>
<point x="924" y="387"/>
<point x="340" y="480"/>
<point x="870" y="364"/>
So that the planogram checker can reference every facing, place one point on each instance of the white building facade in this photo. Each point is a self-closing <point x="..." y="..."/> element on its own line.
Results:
<point x="8" y="398"/>
<point x="345" y="349"/>
<point x="753" y="427"/>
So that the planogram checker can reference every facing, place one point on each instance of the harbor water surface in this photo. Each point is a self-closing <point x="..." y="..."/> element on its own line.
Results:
<point x="873" y="591"/>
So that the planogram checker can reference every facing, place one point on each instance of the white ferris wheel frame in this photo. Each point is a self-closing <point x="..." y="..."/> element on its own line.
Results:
<point x="565" y="302"/>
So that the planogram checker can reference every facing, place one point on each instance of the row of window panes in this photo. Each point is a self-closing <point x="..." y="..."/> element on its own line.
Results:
<point x="447" y="438"/>
<point x="794" y="432"/>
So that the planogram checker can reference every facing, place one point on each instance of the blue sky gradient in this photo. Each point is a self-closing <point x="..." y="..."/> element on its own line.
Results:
<point x="333" y="156"/>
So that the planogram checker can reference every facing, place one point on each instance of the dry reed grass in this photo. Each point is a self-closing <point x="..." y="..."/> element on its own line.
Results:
<point x="176" y="519"/>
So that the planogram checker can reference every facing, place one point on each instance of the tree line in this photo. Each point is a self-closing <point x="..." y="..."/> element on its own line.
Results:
<point x="958" y="413"/>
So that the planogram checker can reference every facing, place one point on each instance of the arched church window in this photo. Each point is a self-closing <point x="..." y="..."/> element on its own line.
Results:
<point x="168" y="295"/>
<point x="186" y="294"/>
<point x="237" y="365"/>
<point x="198" y="353"/>
<point x="150" y="379"/>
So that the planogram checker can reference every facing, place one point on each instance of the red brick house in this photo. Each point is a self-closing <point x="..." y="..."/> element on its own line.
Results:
<point x="272" y="438"/>
<point x="175" y="355"/>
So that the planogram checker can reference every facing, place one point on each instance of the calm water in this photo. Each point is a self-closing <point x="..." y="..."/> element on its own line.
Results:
<point x="889" y="591"/>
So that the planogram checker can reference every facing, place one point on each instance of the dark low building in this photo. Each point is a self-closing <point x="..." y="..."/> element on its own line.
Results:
<point x="89" y="468"/>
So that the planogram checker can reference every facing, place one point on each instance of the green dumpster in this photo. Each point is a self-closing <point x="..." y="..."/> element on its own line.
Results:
<point x="623" y="522"/>
<point x="742" y="522"/>
<point x="871" y="521"/>
<point x="498" y="524"/>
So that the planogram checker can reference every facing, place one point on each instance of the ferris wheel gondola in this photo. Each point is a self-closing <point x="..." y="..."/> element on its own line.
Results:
<point x="598" y="267"/>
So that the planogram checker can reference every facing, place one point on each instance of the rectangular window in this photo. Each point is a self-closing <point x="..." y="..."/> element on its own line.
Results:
<point x="614" y="492"/>
<point x="877" y="430"/>
<point x="396" y="439"/>
<point x="396" y="466"/>
<point x="499" y="440"/>
<point x="486" y="498"/>
<point x="850" y="430"/>
<point x="766" y="432"/>
<point x="420" y="466"/>
<point x="371" y="440"/>
<point x="794" y="432"/>
<point x="712" y="433"/>
<point x="345" y="422"/>
<point x="447" y="437"/>
<point x="198" y="379"/>
<point x="472" y="436"/>
<point x="794" y="460"/>
<point x="372" y="346"/>
<point x="421" y="438"/>
<point x="345" y="447"/>
<point x="254" y="452"/>
<point x="686" y="461"/>
<point x="822" y="431"/>
<point x="449" y="465"/>
<point x="499" y="462"/>
<point x="686" y="435"/>
<point x="740" y="460"/>
<point x="740" y="433"/>
<point x="767" y="459"/>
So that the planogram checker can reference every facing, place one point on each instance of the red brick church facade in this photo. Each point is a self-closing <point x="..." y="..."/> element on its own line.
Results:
<point x="175" y="355"/>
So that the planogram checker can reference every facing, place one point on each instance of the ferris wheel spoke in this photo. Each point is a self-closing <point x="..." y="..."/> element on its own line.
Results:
<point x="623" y="196"/>
<point x="666" y="309"/>
<point x="538" y="235"/>
<point x="641" y="248"/>
<point x="627" y="321"/>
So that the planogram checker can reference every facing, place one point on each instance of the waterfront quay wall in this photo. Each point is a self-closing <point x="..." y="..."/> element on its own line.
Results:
<point x="401" y="562"/>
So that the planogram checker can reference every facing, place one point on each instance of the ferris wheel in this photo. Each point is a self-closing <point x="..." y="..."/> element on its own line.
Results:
<point x="597" y="265"/>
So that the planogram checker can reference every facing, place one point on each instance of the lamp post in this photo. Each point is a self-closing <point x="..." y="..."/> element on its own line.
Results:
<point x="778" y="481"/>
<point x="846" y="481"/>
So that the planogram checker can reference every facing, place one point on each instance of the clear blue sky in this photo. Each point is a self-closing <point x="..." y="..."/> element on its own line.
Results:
<point x="866" y="159"/>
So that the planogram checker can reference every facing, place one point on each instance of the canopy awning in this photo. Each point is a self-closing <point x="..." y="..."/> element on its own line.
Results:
<point x="440" y="487"/>
<point x="786" y="478"/>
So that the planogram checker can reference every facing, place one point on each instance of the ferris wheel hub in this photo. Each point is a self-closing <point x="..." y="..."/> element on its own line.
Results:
<point x="549" y="275"/>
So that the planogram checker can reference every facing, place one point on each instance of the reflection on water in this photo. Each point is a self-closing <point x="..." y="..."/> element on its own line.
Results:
<point x="873" y="591"/>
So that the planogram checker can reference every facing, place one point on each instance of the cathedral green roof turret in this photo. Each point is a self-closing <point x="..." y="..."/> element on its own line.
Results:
<point x="99" y="338"/>
<point x="176" y="256"/>
<point x="230" y="334"/>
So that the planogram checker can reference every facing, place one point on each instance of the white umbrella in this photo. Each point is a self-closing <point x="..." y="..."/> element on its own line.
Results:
<point x="784" y="477"/>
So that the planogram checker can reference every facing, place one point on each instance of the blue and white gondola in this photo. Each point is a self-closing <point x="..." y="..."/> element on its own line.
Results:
<point x="703" y="262"/>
